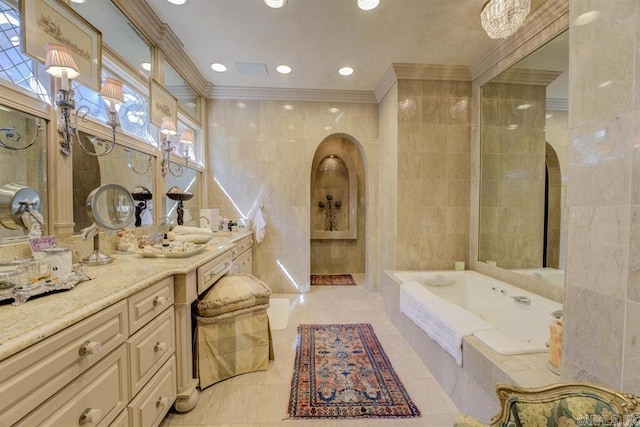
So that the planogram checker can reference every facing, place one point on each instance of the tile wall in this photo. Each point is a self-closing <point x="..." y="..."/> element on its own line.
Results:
<point x="602" y="324"/>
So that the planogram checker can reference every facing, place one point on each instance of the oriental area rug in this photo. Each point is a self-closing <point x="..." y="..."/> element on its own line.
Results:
<point x="332" y="279"/>
<point x="341" y="371"/>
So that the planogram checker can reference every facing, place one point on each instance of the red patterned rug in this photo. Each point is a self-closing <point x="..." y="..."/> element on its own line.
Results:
<point x="341" y="371"/>
<point x="332" y="279"/>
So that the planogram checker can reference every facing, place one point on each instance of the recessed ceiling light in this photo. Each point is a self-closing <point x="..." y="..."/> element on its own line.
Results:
<point x="288" y="107"/>
<point x="368" y="4"/>
<point x="146" y="66"/>
<point x="78" y="1"/>
<point x="178" y="2"/>
<point x="345" y="71"/>
<point x="283" y="69"/>
<point x="276" y="4"/>
<point x="218" y="67"/>
<point x="586" y="18"/>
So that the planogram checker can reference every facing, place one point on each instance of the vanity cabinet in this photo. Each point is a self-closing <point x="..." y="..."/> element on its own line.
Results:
<point x="241" y="256"/>
<point x="116" y="367"/>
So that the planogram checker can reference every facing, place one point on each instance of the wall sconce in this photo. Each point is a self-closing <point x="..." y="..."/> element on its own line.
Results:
<point x="60" y="64"/>
<point x="168" y="129"/>
<point x="130" y="165"/>
<point x="10" y="137"/>
<point x="330" y="220"/>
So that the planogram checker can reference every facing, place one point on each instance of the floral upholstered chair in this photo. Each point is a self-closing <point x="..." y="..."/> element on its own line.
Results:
<point x="563" y="404"/>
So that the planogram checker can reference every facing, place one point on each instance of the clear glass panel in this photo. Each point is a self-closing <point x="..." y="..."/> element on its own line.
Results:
<point x="117" y="32"/>
<point x="26" y="167"/>
<point x="178" y="87"/>
<point x="14" y="66"/>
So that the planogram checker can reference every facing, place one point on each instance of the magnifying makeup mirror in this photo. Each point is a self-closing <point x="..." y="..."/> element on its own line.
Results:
<point x="111" y="208"/>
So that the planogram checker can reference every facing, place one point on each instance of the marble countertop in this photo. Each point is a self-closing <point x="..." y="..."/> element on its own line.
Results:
<point x="41" y="317"/>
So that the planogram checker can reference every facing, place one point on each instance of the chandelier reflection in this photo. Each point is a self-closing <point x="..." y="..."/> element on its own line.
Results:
<point x="502" y="18"/>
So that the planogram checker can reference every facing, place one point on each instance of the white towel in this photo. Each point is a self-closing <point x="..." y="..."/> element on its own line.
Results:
<point x="183" y="229"/>
<point x="258" y="226"/>
<point x="445" y="323"/>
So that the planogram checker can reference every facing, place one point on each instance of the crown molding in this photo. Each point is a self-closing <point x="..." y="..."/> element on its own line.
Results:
<point x="289" y="94"/>
<point x="558" y="104"/>
<point x="400" y="71"/>
<point x="542" y="25"/>
<point x="146" y="22"/>
<point x="523" y="76"/>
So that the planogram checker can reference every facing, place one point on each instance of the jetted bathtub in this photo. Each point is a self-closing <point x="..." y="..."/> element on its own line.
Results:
<point x="517" y="321"/>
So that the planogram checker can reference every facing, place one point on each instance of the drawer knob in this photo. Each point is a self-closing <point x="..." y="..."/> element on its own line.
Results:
<point x="90" y="347"/>
<point x="159" y="301"/>
<point x="162" y="402"/>
<point x="160" y="347"/>
<point x="90" y="416"/>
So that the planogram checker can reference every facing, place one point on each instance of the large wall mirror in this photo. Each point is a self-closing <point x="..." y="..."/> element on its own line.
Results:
<point x="124" y="166"/>
<point x="524" y="138"/>
<point x="24" y="164"/>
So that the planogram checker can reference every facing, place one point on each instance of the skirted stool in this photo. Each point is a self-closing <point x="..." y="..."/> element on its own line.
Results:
<point x="232" y="334"/>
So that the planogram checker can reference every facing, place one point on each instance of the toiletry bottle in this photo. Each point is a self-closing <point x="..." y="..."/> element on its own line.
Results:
<point x="165" y="241"/>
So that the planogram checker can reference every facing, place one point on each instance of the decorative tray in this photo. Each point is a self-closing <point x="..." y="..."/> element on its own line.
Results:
<point x="174" y="250"/>
<point x="20" y="294"/>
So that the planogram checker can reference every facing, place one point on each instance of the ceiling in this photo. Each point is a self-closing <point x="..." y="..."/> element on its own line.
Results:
<point x="316" y="37"/>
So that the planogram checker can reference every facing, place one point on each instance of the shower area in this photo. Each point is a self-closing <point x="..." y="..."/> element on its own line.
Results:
<point x="337" y="208"/>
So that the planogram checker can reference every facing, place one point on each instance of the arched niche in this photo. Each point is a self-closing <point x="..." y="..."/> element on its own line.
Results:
<point x="334" y="174"/>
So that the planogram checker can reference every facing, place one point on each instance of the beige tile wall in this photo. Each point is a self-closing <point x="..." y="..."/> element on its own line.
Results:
<point x="433" y="174"/>
<point x="261" y="153"/>
<point x="601" y="335"/>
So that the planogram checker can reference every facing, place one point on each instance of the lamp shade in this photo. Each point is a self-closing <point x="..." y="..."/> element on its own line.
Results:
<point x="112" y="91"/>
<point x="59" y="61"/>
<point x="168" y="126"/>
<point x="186" y="136"/>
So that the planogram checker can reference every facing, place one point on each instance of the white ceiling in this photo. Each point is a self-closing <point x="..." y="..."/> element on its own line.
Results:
<point x="316" y="37"/>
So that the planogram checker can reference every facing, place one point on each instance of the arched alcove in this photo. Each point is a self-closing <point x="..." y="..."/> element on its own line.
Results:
<point x="553" y="208"/>
<point x="337" y="171"/>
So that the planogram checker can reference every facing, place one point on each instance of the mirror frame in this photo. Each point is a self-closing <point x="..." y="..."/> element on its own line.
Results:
<point x="547" y="22"/>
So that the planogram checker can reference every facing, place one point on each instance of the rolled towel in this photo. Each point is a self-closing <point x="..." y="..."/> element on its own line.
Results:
<point x="183" y="229"/>
<point x="194" y="238"/>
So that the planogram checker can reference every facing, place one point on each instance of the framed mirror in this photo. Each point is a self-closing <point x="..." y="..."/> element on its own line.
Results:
<point x="23" y="160"/>
<point x="523" y="139"/>
<point x="124" y="166"/>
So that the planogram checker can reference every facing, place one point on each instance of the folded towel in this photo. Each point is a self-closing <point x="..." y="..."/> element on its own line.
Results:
<point x="183" y="229"/>
<point x="445" y="323"/>
<point x="193" y="238"/>
<point x="258" y="226"/>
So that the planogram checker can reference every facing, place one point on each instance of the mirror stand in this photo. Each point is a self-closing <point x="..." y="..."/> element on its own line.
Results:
<point x="96" y="257"/>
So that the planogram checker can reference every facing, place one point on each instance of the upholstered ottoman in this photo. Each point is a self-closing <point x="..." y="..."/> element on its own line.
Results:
<point x="232" y="333"/>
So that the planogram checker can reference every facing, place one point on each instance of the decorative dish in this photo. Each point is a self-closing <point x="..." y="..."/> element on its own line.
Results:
<point x="174" y="250"/>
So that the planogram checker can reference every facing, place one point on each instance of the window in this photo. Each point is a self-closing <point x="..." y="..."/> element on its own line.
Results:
<point x="15" y="67"/>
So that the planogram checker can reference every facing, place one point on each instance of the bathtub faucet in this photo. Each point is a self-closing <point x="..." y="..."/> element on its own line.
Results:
<point x="520" y="299"/>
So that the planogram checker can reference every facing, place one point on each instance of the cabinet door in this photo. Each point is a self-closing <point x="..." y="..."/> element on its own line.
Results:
<point x="150" y="406"/>
<point x="94" y="398"/>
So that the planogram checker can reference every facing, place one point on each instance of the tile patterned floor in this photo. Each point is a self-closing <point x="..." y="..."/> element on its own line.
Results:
<point x="260" y="399"/>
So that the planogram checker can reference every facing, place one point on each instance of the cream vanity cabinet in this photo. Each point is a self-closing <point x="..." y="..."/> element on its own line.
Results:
<point x="116" y="367"/>
<point x="241" y="258"/>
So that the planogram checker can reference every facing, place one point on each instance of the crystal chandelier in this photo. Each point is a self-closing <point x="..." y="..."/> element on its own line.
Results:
<point x="501" y="18"/>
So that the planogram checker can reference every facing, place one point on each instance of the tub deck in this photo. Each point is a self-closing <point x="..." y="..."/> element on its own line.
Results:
<point x="472" y="386"/>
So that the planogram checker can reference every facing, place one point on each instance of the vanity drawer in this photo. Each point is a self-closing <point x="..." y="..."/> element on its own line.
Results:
<point x="95" y="398"/>
<point x="148" y="303"/>
<point x="150" y="406"/>
<point x="241" y="246"/>
<point x="149" y="348"/>
<point x="210" y="272"/>
<point x="30" y="377"/>
<point x="122" y="420"/>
